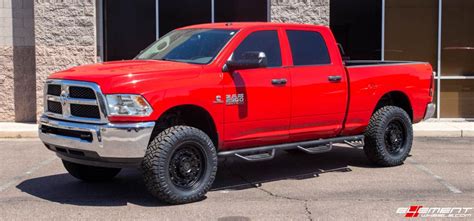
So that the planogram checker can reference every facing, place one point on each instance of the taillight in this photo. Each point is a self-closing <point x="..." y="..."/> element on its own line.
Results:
<point x="432" y="86"/>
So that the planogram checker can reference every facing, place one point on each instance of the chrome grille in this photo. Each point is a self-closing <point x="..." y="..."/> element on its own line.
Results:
<point x="74" y="101"/>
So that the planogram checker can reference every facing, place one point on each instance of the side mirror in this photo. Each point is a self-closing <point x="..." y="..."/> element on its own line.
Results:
<point x="247" y="60"/>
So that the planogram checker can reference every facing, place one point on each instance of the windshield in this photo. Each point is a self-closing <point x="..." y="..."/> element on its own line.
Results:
<point x="198" y="46"/>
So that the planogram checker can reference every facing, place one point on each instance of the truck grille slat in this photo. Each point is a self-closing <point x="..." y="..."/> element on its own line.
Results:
<point x="54" y="89"/>
<point x="88" y="111"/>
<point x="69" y="133"/>
<point x="81" y="92"/>
<point x="55" y="107"/>
<point x="60" y="103"/>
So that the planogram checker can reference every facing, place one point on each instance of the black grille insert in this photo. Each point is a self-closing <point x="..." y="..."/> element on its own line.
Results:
<point x="81" y="92"/>
<point x="88" y="111"/>
<point x="55" y="107"/>
<point x="54" y="89"/>
<point x="68" y="133"/>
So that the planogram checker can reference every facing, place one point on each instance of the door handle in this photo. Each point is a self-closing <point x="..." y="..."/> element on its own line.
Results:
<point x="281" y="81"/>
<point x="334" y="78"/>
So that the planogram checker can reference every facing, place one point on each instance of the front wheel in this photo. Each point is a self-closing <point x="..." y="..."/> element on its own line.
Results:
<point x="389" y="136"/>
<point x="180" y="165"/>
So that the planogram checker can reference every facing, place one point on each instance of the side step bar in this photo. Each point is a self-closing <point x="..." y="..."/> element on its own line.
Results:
<point x="312" y="147"/>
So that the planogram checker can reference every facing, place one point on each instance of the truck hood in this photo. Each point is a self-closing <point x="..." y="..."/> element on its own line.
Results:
<point x="127" y="76"/>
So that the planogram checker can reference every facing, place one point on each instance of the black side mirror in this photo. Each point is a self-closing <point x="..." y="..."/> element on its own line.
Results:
<point x="247" y="60"/>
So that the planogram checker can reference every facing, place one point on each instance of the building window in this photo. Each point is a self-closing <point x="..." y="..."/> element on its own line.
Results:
<point x="457" y="98"/>
<point x="436" y="31"/>
<point x="357" y="26"/>
<point x="178" y="13"/>
<point x="411" y="30"/>
<point x="240" y="10"/>
<point x="457" y="54"/>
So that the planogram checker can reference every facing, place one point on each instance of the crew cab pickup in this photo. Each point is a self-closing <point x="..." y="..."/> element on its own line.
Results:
<point x="244" y="90"/>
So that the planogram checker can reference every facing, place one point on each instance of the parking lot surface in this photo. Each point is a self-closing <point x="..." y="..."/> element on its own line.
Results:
<point x="341" y="185"/>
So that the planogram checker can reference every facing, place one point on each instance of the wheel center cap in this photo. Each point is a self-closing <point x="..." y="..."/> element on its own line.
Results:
<point x="186" y="167"/>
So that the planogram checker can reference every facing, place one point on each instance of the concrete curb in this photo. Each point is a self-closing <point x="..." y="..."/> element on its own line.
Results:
<point x="424" y="129"/>
<point x="444" y="129"/>
<point x="18" y="130"/>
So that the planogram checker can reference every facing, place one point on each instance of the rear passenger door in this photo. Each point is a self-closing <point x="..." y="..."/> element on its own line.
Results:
<point x="319" y="86"/>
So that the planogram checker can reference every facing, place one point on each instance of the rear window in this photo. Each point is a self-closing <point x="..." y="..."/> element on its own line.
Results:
<point x="308" y="48"/>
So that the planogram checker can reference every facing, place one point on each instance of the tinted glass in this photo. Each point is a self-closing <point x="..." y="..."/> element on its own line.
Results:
<point x="399" y="20"/>
<point x="125" y="36"/>
<point x="199" y="46"/>
<point x="240" y="10"/>
<point x="179" y="13"/>
<point x="357" y="25"/>
<point x="308" y="48"/>
<point x="457" y="48"/>
<point x="261" y="41"/>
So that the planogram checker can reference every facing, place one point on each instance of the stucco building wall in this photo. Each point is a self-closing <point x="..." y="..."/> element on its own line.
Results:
<point x="65" y="37"/>
<point x="17" y="74"/>
<point x="300" y="11"/>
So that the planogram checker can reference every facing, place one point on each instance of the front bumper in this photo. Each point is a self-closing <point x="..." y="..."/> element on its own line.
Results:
<point x="109" y="145"/>
<point x="430" y="110"/>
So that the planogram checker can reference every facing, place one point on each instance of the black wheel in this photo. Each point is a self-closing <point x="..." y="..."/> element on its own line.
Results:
<point x="389" y="136"/>
<point x="90" y="173"/>
<point x="180" y="165"/>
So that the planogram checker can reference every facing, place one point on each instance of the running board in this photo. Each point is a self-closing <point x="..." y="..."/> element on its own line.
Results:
<point x="312" y="147"/>
<point x="318" y="149"/>
<point x="257" y="157"/>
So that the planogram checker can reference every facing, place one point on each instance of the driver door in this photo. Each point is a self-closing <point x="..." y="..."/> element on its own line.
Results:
<point x="257" y="101"/>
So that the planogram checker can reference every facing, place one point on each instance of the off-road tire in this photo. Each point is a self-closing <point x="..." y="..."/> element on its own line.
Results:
<point x="90" y="173"/>
<point x="159" y="162"/>
<point x="379" y="149"/>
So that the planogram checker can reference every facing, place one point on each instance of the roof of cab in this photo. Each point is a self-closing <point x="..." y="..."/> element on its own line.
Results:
<point x="241" y="25"/>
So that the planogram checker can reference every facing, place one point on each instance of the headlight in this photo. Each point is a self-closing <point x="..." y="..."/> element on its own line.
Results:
<point x="127" y="105"/>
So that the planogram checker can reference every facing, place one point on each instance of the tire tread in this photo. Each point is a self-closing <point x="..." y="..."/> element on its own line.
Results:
<point x="374" y="141"/>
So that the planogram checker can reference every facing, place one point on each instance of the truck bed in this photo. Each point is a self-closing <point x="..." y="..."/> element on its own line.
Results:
<point x="370" y="80"/>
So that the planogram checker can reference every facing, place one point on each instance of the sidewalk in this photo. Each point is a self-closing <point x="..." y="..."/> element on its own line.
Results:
<point x="424" y="129"/>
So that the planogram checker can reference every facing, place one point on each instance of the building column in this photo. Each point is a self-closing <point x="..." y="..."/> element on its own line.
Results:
<point x="300" y="11"/>
<point x="17" y="77"/>
<point x="65" y="37"/>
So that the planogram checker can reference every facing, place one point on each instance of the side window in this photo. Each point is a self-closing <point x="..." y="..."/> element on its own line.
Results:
<point x="265" y="41"/>
<point x="308" y="48"/>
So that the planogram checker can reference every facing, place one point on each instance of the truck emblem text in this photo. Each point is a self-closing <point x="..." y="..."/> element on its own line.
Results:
<point x="234" y="99"/>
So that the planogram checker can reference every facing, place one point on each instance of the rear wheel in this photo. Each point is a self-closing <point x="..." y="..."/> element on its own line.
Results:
<point x="180" y="165"/>
<point x="90" y="173"/>
<point x="389" y="136"/>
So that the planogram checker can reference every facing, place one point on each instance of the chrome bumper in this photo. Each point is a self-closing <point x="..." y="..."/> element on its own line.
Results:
<point x="430" y="110"/>
<point x="104" y="141"/>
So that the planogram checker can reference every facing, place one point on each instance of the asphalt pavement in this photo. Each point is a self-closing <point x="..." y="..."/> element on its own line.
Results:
<point x="339" y="185"/>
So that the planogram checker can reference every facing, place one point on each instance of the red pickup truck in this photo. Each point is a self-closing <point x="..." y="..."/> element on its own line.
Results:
<point x="241" y="90"/>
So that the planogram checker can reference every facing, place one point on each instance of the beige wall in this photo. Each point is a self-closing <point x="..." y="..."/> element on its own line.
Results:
<point x="65" y="37"/>
<point x="300" y="11"/>
<point x="17" y="75"/>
